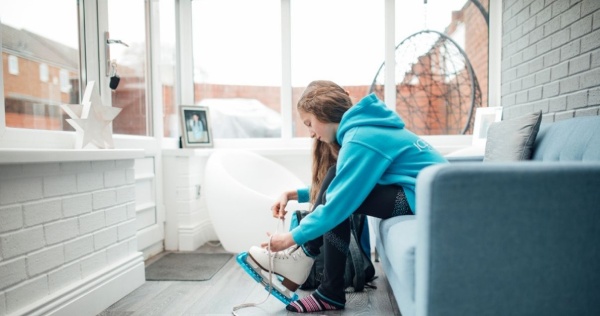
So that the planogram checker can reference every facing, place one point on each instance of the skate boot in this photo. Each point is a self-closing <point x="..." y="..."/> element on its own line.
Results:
<point x="274" y="282"/>
<point x="292" y="264"/>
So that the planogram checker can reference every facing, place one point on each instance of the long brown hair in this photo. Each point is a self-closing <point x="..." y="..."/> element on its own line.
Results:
<point x="324" y="156"/>
<point x="328" y="102"/>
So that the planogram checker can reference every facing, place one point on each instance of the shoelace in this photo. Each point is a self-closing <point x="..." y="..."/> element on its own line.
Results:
<point x="271" y="263"/>
<point x="286" y="254"/>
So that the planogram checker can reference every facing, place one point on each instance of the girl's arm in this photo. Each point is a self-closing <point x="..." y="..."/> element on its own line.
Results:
<point x="278" y="207"/>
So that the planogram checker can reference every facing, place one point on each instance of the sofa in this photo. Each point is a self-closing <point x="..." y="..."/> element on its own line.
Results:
<point x="503" y="237"/>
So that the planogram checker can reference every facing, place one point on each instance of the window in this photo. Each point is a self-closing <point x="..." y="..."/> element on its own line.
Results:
<point x="441" y="64"/>
<point x="65" y="80"/>
<point x="237" y="65"/>
<point x="127" y="23"/>
<point x="43" y="40"/>
<point x="13" y="65"/>
<point x="337" y="40"/>
<point x="43" y="72"/>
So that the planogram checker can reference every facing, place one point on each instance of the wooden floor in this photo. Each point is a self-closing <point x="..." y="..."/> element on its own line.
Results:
<point x="230" y="287"/>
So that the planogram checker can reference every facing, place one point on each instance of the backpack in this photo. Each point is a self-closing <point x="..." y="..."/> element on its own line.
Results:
<point x="359" y="269"/>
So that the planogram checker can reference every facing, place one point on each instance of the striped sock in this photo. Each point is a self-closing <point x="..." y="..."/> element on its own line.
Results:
<point x="311" y="303"/>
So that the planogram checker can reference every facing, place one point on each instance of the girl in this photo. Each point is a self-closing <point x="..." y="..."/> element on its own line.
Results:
<point x="375" y="172"/>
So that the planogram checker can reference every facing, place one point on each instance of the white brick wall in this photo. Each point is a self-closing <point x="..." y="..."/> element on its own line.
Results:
<point x="60" y="223"/>
<point x="551" y="58"/>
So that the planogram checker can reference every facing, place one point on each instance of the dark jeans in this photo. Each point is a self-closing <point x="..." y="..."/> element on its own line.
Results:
<point x="384" y="201"/>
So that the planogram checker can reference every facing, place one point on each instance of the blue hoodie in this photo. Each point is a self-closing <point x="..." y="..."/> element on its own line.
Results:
<point x="375" y="149"/>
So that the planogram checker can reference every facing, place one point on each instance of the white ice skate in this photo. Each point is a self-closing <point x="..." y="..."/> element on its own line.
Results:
<point x="292" y="264"/>
<point x="290" y="269"/>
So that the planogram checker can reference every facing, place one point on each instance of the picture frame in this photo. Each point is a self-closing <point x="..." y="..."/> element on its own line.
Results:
<point x="484" y="117"/>
<point x="196" y="131"/>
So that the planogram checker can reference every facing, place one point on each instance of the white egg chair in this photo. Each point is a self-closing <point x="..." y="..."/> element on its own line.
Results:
<point x="240" y="187"/>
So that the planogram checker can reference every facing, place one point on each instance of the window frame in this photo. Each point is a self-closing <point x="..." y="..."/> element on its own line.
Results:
<point x="93" y="21"/>
<point x="92" y="14"/>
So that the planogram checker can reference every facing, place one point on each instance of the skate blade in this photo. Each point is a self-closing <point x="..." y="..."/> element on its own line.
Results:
<point x="259" y="275"/>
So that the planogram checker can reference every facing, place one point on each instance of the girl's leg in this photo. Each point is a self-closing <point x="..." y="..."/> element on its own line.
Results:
<point x="383" y="202"/>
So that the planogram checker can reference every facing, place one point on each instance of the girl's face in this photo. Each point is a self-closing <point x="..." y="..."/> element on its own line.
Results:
<point x="324" y="132"/>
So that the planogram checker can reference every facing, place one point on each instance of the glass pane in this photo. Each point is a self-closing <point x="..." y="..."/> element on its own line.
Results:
<point x="40" y="56"/>
<point x="342" y="45"/>
<point x="127" y="23"/>
<point x="167" y="67"/>
<point x="441" y="65"/>
<point x="441" y="58"/>
<point x="237" y="65"/>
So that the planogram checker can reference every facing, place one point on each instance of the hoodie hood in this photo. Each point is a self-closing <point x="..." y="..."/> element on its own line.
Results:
<point x="370" y="111"/>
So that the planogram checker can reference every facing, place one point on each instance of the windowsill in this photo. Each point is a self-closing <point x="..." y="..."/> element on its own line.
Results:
<point x="18" y="156"/>
<point x="269" y="151"/>
<point x="270" y="147"/>
<point x="445" y="144"/>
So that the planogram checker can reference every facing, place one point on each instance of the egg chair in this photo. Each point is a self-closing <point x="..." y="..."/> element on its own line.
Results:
<point x="240" y="187"/>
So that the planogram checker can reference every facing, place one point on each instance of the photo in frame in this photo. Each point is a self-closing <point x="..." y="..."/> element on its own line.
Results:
<point x="484" y="117"/>
<point x="195" y="126"/>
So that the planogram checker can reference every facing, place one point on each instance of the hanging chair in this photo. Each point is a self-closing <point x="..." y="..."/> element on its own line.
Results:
<point x="436" y="88"/>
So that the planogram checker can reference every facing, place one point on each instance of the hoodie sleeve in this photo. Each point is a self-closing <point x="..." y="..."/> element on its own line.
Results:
<point x="303" y="195"/>
<point x="358" y="170"/>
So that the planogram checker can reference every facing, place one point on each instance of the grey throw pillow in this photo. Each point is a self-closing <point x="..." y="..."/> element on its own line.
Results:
<point x="513" y="139"/>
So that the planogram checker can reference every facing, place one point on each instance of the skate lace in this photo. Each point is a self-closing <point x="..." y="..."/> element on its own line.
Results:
<point x="286" y="254"/>
<point x="271" y="264"/>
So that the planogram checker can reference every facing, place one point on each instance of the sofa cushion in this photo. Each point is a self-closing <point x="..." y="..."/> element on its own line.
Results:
<point x="512" y="140"/>
<point x="576" y="139"/>
<point x="399" y="261"/>
<point x="385" y="225"/>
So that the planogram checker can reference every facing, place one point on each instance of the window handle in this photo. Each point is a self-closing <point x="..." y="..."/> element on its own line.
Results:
<point x="107" y="42"/>
<point x="116" y="41"/>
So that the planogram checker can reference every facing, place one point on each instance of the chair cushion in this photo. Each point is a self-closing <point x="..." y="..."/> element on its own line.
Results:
<point x="512" y="140"/>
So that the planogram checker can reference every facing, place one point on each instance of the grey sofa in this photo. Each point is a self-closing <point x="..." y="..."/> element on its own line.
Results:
<point x="505" y="238"/>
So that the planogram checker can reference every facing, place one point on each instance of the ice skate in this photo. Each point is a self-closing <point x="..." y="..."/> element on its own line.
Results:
<point x="292" y="264"/>
<point x="271" y="283"/>
<point x="290" y="269"/>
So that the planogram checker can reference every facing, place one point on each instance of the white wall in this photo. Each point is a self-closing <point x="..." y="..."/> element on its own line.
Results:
<point x="67" y="236"/>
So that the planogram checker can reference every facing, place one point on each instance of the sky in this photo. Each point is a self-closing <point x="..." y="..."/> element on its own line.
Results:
<point x="238" y="41"/>
<point x="31" y="14"/>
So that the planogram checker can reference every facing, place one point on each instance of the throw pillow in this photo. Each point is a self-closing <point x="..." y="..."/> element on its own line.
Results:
<point x="513" y="139"/>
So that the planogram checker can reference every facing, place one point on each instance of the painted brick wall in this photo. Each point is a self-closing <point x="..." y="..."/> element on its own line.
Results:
<point x="60" y="223"/>
<point x="551" y="58"/>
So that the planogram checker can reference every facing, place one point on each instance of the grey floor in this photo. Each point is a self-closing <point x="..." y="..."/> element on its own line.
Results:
<point x="230" y="287"/>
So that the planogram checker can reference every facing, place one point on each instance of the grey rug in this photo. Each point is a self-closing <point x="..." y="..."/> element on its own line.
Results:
<point x="186" y="266"/>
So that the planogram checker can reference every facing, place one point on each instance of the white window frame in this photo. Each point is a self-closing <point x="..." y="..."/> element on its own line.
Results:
<point x="92" y="51"/>
<point x="92" y="13"/>
<point x="2" y="111"/>
<point x="495" y="53"/>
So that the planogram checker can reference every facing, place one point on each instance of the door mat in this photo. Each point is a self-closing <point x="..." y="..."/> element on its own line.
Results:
<point x="186" y="266"/>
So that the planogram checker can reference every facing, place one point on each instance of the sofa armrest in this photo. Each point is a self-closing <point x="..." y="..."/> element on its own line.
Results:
<point x="508" y="239"/>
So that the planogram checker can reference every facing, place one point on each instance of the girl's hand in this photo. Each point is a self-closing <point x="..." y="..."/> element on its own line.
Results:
<point x="279" y="241"/>
<point x="278" y="208"/>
